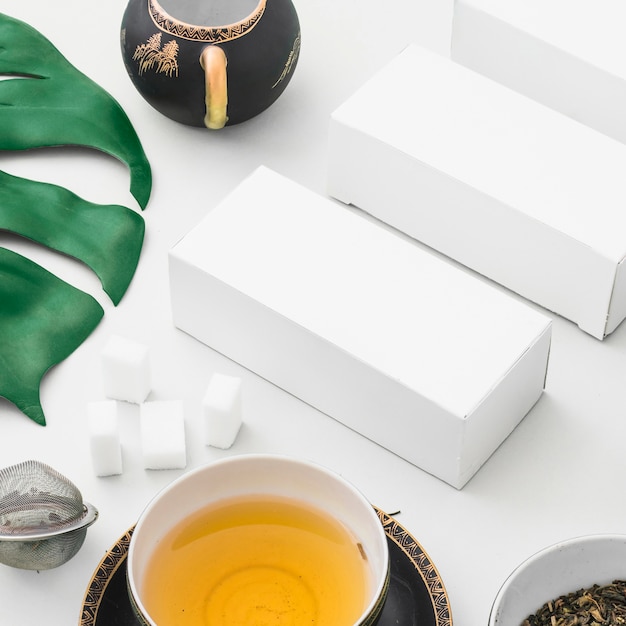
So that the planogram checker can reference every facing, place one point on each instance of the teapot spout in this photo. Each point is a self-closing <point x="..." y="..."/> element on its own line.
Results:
<point x="213" y="61"/>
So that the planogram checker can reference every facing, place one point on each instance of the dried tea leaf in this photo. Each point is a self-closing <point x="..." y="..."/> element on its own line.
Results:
<point x="598" y="605"/>
<point x="42" y="321"/>
<point x="55" y="104"/>
<point x="107" y="238"/>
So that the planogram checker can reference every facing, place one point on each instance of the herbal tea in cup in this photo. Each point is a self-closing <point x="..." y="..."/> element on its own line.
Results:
<point x="257" y="560"/>
<point x="256" y="540"/>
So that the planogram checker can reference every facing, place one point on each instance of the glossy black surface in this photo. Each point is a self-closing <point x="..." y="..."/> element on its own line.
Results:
<point x="261" y="60"/>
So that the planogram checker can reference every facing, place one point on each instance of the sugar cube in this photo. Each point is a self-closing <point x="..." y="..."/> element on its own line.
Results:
<point x="104" y="437"/>
<point x="221" y="410"/>
<point x="126" y="369"/>
<point x="162" y="427"/>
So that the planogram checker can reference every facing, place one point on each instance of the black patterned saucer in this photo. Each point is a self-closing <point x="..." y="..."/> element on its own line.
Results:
<point x="417" y="596"/>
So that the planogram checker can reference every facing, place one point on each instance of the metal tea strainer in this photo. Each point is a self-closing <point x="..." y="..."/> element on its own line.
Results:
<point x="43" y="519"/>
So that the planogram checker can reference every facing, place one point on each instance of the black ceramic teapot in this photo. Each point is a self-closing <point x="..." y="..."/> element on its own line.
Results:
<point x="217" y="63"/>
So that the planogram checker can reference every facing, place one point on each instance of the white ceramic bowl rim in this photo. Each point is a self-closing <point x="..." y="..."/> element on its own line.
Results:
<point x="534" y="562"/>
<point x="357" y="496"/>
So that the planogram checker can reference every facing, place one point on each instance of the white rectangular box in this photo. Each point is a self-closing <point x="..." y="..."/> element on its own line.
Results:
<point x="568" y="54"/>
<point x="509" y="187"/>
<point x="399" y="345"/>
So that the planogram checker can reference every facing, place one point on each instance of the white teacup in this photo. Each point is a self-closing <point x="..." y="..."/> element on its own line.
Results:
<point x="259" y="539"/>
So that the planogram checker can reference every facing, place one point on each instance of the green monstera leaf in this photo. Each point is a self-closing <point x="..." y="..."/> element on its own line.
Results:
<point x="59" y="105"/>
<point x="42" y="321"/>
<point x="107" y="238"/>
<point x="45" y="102"/>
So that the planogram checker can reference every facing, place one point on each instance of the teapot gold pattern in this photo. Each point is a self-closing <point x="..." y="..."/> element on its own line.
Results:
<point x="210" y="75"/>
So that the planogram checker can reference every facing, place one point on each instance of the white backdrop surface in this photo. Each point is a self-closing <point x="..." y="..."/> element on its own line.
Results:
<point x="560" y="474"/>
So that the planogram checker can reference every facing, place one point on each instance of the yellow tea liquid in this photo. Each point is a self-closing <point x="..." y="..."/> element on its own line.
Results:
<point x="257" y="562"/>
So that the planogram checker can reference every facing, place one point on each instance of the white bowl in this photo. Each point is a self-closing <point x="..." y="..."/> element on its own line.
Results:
<point x="261" y="474"/>
<point x="557" y="570"/>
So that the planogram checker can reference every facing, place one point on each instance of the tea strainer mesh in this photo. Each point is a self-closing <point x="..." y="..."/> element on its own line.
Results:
<point x="43" y="519"/>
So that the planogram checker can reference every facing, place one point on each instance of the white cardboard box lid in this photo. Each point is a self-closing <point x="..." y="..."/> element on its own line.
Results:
<point x="408" y="314"/>
<point x="591" y="30"/>
<point x="534" y="160"/>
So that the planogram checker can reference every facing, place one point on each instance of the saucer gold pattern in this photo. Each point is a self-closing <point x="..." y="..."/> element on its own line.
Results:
<point x="417" y="596"/>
